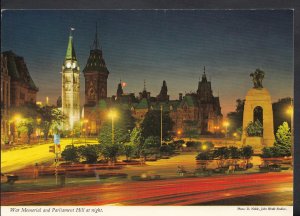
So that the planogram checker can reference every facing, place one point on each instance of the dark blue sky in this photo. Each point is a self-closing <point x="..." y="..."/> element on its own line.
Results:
<point x="156" y="45"/>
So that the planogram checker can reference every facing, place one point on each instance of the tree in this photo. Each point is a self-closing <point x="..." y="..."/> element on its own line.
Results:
<point x="111" y="148"/>
<point x="254" y="129"/>
<point x="279" y="112"/>
<point x="246" y="153"/>
<point x="126" y="119"/>
<point x="151" y="125"/>
<point x="51" y="117"/>
<point x="128" y="150"/>
<point x="70" y="153"/>
<point x="235" y="154"/>
<point x="236" y="118"/>
<point x="177" y="144"/>
<point x="283" y="142"/>
<point x="166" y="149"/>
<point x="27" y="126"/>
<point x="284" y="139"/>
<point x="151" y="145"/>
<point x="123" y="124"/>
<point x="137" y="140"/>
<point x="204" y="157"/>
<point x="28" y="122"/>
<point x="90" y="153"/>
<point x="222" y="154"/>
<point x="121" y="135"/>
<point x="111" y="151"/>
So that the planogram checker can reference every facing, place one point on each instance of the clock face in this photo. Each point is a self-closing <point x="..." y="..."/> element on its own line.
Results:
<point x="68" y="65"/>
<point x="73" y="65"/>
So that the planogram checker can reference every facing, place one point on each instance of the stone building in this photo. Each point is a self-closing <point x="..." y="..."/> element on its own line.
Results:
<point x="199" y="111"/>
<point x="22" y="88"/>
<point x="17" y="89"/>
<point x="71" y="87"/>
<point x="5" y="99"/>
<point x="95" y="74"/>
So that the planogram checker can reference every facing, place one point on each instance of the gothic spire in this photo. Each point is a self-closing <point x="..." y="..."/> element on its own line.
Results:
<point x="70" y="54"/>
<point x="204" y="79"/>
<point x="96" y="42"/>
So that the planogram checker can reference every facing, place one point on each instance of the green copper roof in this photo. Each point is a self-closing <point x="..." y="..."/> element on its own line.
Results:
<point x="189" y="100"/>
<point x="143" y="104"/>
<point x="70" y="55"/>
<point x="96" y="62"/>
<point x="167" y="106"/>
<point x="102" y="105"/>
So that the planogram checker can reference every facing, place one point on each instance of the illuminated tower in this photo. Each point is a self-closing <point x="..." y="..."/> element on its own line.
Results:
<point x="95" y="74"/>
<point x="70" y="86"/>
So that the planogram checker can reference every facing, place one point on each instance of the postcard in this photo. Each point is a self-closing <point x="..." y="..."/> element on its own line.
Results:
<point x="156" y="111"/>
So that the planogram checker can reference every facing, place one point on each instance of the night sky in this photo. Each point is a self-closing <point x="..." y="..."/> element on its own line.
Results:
<point x="157" y="45"/>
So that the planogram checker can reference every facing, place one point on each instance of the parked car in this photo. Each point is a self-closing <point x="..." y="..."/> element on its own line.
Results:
<point x="8" y="178"/>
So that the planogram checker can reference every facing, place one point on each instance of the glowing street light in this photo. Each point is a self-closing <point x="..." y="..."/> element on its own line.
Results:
<point x="204" y="147"/>
<point x="17" y="118"/>
<point x="226" y="124"/>
<point x="179" y="132"/>
<point x="112" y="114"/>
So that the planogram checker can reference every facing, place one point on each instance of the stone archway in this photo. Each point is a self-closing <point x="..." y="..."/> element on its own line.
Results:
<point x="259" y="97"/>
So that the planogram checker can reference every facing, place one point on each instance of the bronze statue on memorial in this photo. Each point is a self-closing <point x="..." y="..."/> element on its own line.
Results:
<point x="257" y="78"/>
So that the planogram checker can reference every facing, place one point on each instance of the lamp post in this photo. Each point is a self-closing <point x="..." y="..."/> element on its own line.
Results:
<point x="226" y="124"/>
<point x="290" y="111"/>
<point x="112" y="114"/>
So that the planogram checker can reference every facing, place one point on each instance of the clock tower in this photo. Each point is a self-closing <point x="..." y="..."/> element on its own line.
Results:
<point x="95" y="74"/>
<point x="71" y="86"/>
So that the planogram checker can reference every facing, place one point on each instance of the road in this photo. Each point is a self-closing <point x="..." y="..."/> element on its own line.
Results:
<point x="16" y="159"/>
<point x="181" y="191"/>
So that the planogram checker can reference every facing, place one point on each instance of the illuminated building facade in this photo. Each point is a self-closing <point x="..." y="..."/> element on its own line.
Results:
<point x="71" y="87"/>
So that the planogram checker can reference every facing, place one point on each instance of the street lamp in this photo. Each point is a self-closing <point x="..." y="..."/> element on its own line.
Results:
<point x="112" y="114"/>
<point x="179" y="132"/>
<point x="204" y="147"/>
<point x="226" y="124"/>
<point x="290" y="111"/>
